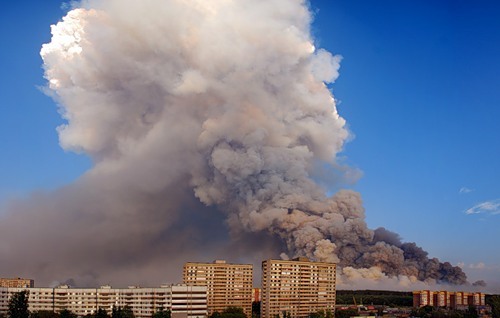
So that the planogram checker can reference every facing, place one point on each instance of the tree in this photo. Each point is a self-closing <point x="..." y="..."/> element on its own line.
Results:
<point x="162" y="313"/>
<point x="495" y="306"/>
<point x="125" y="312"/>
<point x="18" y="305"/>
<point x="44" y="314"/>
<point x="101" y="313"/>
<point x="65" y="313"/>
<point x="256" y="309"/>
<point x="233" y="312"/>
<point x="215" y="314"/>
<point x="346" y="313"/>
<point x="471" y="312"/>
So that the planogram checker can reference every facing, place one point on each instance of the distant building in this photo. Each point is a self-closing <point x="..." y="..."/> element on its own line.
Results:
<point x="17" y="282"/>
<point x="228" y="285"/>
<point x="454" y="300"/>
<point x="298" y="287"/>
<point x="183" y="301"/>
<point x="256" y="294"/>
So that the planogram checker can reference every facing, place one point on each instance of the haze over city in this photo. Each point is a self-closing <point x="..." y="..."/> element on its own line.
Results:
<point x="139" y="135"/>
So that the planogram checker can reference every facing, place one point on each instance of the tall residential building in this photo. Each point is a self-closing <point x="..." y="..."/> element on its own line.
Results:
<point x="183" y="301"/>
<point x="298" y="287"/>
<point x="17" y="282"/>
<point x="228" y="285"/>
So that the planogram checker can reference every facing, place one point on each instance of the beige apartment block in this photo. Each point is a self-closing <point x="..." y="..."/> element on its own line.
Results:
<point x="449" y="299"/>
<point x="298" y="287"/>
<point x="228" y="285"/>
<point x="183" y="301"/>
<point x="17" y="282"/>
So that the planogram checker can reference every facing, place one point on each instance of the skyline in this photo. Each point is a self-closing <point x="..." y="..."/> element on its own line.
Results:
<point x="399" y="62"/>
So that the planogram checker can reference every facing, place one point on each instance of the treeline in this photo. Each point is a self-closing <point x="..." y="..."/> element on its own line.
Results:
<point x="375" y="297"/>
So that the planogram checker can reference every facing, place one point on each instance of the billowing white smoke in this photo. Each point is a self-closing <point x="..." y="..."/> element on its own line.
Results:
<point x="223" y="99"/>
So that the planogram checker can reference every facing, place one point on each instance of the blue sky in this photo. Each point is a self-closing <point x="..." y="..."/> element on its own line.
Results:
<point x="419" y="87"/>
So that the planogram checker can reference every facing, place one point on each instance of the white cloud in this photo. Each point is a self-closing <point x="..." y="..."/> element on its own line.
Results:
<point x="479" y="265"/>
<point x="488" y="207"/>
<point x="464" y="190"/>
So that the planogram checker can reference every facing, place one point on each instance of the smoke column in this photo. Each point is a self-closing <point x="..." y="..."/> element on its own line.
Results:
<point x="206" y="121"/>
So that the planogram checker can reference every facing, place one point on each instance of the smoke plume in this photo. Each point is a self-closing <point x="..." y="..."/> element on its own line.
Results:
<point x="205" y="121"/>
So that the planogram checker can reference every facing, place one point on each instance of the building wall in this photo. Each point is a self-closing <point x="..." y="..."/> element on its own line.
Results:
<point x="228" y="285"/>
<point x="448" y="299"/>
<point x="182" y="300"/>
<point x="298" y="287"/>
<point x="256" y="294"/>
<point x="17" y="282"/>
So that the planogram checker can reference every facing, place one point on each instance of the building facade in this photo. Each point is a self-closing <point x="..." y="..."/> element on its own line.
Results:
<point x="256" y="294"/>
<point x="297" y="287"/>
<point x="183" y="301"/>
<point x="454" y="300"/>
<point x="17" y="282"/>
<point x="228" y="285"/>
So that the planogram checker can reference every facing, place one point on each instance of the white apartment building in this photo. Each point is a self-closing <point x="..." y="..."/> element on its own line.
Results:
<point x="182" y="300"/>
<point x="298" y="287"/>
<point x="228" y="285"/>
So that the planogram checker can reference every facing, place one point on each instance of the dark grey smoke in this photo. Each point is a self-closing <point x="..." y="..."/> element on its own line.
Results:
<point x="202" y="118"/>
<point x="479" y="283"/>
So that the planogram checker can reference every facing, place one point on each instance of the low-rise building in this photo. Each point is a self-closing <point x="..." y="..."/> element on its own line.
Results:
<point x="182" y="300"/>
<point x="17" y="282"/>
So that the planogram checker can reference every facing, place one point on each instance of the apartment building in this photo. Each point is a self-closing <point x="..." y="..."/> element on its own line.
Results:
<point x="298" y="287"/>
<point x="183" y="301"/>
<point x="228" y="285"/>
<point x="256" y="294"/>
<point x="455" y="300"/>
<point x="17" y="282"/>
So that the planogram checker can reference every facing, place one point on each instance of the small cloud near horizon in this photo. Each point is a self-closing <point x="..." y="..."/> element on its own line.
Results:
<point x="464" y="190"/>
<point x="479" y="265"/>
<point x="488" y="207"/>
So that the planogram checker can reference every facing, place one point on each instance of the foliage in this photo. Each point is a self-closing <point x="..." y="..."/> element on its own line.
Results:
<point x="233" y="312"/>
<point x="256" y="309"/>
<point x="375" y="297"/>
<point x="101" y="313"/>
<point x="44" y="314"/>
<point x="471" y="312"/>
<point x="65" y="313"/>
<point x="162" y="313"/>
<point x="125" y="312"/>
<point x="494" y="302"/>
<point x="321" y="314"/>
<point x="346" y="313"/>
<point x="18" y="305"/>
<point x="423" y="312"/>
<point x="431" y="312"/>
